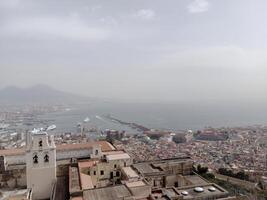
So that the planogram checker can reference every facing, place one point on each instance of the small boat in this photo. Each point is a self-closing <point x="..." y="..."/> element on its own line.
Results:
<point x="87" y="119"/>
<point x="36" y="130"/>
<point x="52" y="127"/>
<point x="98" y="117"/>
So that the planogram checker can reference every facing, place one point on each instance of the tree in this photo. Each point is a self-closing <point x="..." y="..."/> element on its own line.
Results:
<point x="227" y="172"/>
<point x="202" y="170"/>
<point x="179" y="138"/>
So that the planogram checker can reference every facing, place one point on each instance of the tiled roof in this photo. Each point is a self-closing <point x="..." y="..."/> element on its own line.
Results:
<point x="105" y="146"/>
<point x="11" y="152"/>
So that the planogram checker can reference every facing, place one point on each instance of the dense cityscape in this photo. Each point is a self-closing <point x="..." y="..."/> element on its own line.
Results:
<point x="239" y="153"/>
<point x="133" y="100"/>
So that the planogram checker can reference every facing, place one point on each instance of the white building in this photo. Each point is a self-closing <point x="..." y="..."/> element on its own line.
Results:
<point x="17" y="157"/>
<point x="40" y="164"/>
<point x="13" y="161"/>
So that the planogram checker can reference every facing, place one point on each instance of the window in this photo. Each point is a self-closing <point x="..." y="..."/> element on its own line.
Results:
<point x="94" y="172"/>
<point x="115" y="166"/>
<point x="102" y="172"/>
<point x="117" y="173"/>
<point x="125" y="164"/>
<point x="88" y="172"/>
<point x="96" y="152"/>
<point x="40" y="143"/>
<point x="176" y="184"/>
<point x="46" y="158"/>
<point x="35" y="159"/>
<point x="111" y="175"/>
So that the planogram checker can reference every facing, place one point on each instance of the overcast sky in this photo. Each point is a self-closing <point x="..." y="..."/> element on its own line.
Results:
<point x="167" y="50"/>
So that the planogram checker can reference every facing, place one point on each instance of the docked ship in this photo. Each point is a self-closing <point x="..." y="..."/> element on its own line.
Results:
<point x="87" y="119"/>
<point x="51" y="128"/>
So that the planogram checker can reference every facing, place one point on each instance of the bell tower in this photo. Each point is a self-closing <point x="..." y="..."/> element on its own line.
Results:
<point x="40" y="164"/>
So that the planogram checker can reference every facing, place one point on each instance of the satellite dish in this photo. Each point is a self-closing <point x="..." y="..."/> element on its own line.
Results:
<point x="185" y="193"/>
<point x="199" y="189"/>
<point x="212" y="189"/>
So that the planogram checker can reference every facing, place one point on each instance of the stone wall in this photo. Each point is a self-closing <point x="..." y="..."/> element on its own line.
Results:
<point x="16" y="178"/>
<point x="13" y="179"/>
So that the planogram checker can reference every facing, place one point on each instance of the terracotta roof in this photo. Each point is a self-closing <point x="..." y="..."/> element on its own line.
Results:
<point x="12" y="152"/>
<point x="105" y="146"/>
<point x="87" y="164"/>
<point x="86" y="181"/>
<point x="63" y="147"/>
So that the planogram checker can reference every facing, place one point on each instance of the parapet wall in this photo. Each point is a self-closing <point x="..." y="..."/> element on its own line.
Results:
<point x="15" y="178"/>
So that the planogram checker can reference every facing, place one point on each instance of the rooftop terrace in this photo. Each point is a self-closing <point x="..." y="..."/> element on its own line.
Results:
<point x="118" y="192"/>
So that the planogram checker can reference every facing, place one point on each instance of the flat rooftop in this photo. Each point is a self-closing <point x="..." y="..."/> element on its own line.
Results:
<point x="165" y="194"/>
<point x="144" y="168"/>
<point x="196" y="180"/>
<point x="206" y="193"/>
<point x="173" y="160"/>
<point x="159" y="165"/>
<point x="107" y="193"/>
<point x="129" y="172"/>
<point x="119" y="156"/>
<point x="135" y="184"/>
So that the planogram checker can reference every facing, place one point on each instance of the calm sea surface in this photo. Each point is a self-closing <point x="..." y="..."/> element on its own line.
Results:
<point x="161" y="116"/>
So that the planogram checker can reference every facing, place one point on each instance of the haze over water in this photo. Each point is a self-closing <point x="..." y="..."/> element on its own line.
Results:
<point x="161" y="116"/>
<point x="199" y="51"/>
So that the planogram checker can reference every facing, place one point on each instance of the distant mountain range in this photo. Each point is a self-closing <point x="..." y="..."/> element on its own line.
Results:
<point x="39" y="94"/>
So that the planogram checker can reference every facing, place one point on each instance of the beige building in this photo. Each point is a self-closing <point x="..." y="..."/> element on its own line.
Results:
<point x="13" y="161"/>
<point x="169" y="179"/>
<point x="97" y="171"/>
<point x="40" y="165"/>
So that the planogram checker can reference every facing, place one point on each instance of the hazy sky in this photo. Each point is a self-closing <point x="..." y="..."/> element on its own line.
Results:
<point x="137" y="49"/>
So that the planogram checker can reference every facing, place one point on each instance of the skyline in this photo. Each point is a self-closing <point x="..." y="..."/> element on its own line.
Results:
<point x="141" y="50"/>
